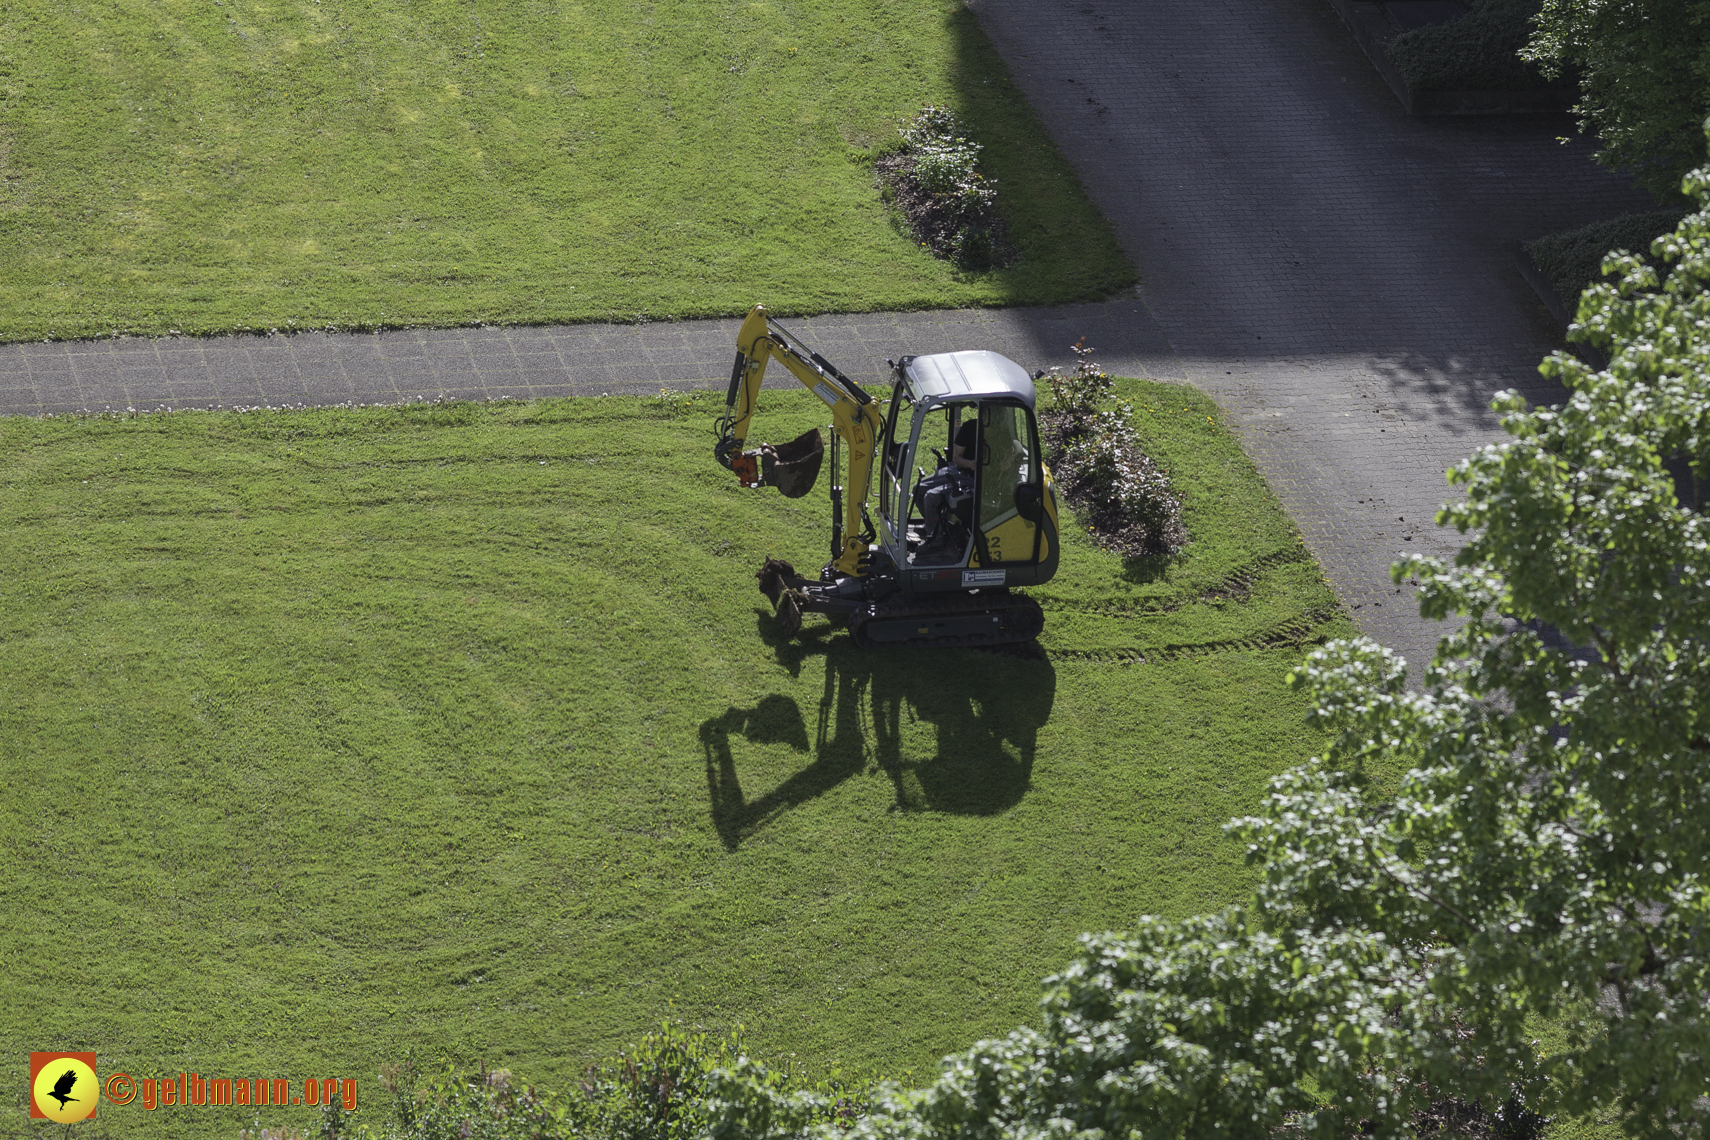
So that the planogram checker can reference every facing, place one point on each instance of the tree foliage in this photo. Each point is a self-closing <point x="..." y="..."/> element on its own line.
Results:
<point x="1644" y="68"/>
<point x="669" y="1086"/>
<point x="1544" y="856"/>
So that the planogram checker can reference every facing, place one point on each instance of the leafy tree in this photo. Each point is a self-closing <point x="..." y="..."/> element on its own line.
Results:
<point x="1644" y="68"/>
<point x="1545" y="854"/>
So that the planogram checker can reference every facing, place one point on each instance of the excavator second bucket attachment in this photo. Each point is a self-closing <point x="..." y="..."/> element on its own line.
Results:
<point x="778" y="582"/>
<point x="793" y="467"/>
<point x="775" y="576"/>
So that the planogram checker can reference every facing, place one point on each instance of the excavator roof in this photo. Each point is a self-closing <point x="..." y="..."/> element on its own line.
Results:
<point x="946" y="376"/>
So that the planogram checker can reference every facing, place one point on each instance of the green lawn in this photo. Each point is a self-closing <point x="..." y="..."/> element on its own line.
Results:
<point x="355" y="163"/>
<point x="331" y="733"/>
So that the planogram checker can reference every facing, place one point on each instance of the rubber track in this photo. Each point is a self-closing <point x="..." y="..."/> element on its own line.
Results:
<point x="1237" y="583"/>
<point x="1296" y="631"/>
<point x="955" y="604"/>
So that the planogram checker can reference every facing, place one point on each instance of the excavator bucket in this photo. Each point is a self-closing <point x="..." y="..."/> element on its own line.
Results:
<point x="793" y="467"/>
<point x="777" y="582"/>
<point x="775" y="575"/>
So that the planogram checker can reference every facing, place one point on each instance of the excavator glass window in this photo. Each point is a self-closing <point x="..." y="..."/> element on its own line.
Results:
<point x="1006" y="463"/>
<point x="940" y="506"/>
<point x="894" y="472"/>
<point x="897" y="427"/>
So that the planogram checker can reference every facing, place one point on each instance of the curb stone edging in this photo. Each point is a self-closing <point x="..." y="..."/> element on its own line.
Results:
<point x="1365" y="18"/>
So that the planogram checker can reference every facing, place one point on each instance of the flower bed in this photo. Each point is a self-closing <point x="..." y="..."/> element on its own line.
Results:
<point x="934" y="182"/>
<point x="1125" y="495"/>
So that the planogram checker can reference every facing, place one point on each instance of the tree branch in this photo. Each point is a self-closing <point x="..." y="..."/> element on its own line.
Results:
<point x="1426" y="895"/>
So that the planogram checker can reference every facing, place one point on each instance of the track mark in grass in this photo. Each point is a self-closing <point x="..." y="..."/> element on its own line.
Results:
<point x="1146" y="607"/>
<point x="611" y="779"/>
<point x="1101" y="656"/>
<point x="1297" y="631"/>
<point x="1237" y="585"/>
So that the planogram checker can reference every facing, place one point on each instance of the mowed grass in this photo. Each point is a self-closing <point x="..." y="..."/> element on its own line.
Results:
<point x="359" y="163"/>
<point x="330" y="734"/>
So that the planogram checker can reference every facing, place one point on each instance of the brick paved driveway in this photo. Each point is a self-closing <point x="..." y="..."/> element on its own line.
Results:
<point x="1337" y="274"/>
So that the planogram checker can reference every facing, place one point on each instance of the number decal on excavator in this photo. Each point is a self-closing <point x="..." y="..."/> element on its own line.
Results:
<point x="1010" y="533"/>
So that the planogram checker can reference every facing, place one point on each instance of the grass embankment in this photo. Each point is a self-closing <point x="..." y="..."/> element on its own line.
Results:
<point x="331" y="733"/>
<point x="359" y="163"/>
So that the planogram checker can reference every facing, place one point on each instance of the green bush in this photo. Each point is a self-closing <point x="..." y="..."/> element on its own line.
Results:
<point x="1574" y="259"/>
<point x="1123" y="492"/>
<point x="674" y="1085"/>
<point x="936" y="186"/>
<point x="1479" y="52"/>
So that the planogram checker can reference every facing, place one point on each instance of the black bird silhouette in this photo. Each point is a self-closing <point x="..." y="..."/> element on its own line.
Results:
<point x="63" y="1086"/>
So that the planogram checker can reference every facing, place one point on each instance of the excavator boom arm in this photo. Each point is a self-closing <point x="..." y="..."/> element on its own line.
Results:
<point x="855" y="418"/>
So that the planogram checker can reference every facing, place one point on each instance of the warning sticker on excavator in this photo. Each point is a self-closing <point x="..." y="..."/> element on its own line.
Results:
<point x="982" y="577"/>
<point x="826" y="392"/>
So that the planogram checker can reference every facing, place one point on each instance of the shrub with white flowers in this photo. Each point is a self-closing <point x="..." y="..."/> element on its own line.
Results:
<point x="936" y="182"/>
<point x="1097" y="457"/>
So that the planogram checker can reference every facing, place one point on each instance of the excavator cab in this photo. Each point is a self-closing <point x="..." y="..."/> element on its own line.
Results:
<point x="979" y="524"/>
<point x="964" y="504"/>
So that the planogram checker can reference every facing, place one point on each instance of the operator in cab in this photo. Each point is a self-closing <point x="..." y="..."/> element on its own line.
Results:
<point x="945" y="498"/>
<point x="963" y="451"/>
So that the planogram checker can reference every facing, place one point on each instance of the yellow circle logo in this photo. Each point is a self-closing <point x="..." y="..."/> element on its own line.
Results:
<point x="66" y="1090"/>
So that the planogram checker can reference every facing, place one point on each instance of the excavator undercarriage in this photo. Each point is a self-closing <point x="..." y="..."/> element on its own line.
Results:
<point x="983" y="617"/>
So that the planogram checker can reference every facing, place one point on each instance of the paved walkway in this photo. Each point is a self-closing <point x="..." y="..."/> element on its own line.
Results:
<point x="524" y="363"/>
<point x="1338" y="275"/>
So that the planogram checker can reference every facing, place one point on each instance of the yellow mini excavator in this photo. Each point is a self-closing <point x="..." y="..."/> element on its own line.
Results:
<point x="937" y="565"/>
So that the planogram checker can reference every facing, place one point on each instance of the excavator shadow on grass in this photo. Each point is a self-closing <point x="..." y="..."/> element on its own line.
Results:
<point x="987" y="709"/>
